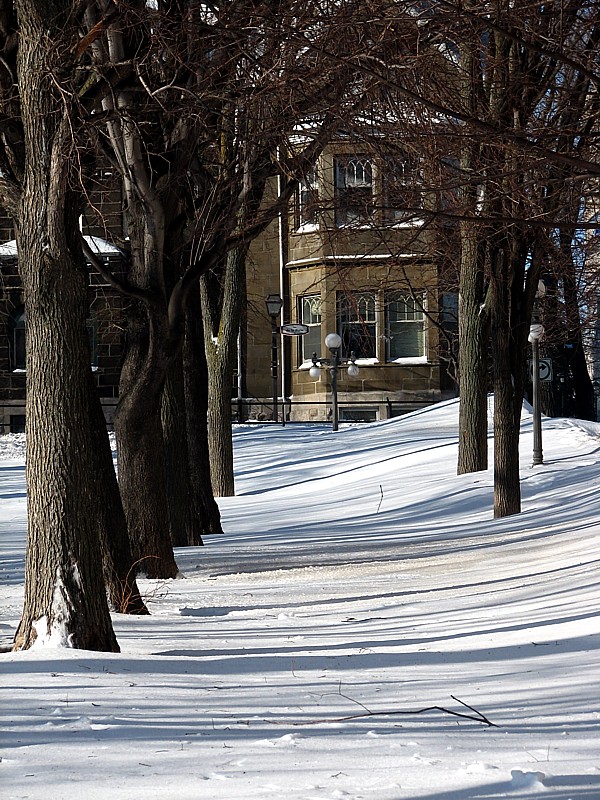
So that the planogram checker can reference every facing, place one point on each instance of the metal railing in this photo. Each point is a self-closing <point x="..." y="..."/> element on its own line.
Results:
<point x="394" y="408"/>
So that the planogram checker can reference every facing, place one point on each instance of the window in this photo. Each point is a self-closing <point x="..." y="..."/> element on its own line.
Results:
<point x="357" y="324"/>
<point x="405" y="326"/>
<point x="17" y="423"/>
<point x="309" y="313"/>
<point x="91" y="325"/>
<point x="308" y="201"/>
<point x="354" y="414"/>
<point x="450" y="309"/>
<point x="17" y="339"/>
<point x="402" y="191"/>
<point x="353" y="190"/>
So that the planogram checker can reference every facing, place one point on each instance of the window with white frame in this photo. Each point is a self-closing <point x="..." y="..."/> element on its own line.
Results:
<point x="357" y="324"/>
<point x="308" y="200"/>
<point x="354" y="190"/>
<point x="402" y="189"/>
<point x="405" y="327"/>
<point x="309" y="313"/>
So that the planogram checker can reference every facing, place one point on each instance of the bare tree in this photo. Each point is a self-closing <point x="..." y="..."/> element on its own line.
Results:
<point x="199" y="108"/>
<point x="65" y="597"/>
<point x="517" y="106"/>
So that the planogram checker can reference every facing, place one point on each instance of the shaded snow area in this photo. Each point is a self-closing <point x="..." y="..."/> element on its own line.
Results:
<point x="361" y="599"/>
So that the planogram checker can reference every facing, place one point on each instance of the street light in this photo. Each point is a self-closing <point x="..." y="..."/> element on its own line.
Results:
<point x="536" y="331"/>
<point x="274" y="305"/>
<point x="333" y="342"/>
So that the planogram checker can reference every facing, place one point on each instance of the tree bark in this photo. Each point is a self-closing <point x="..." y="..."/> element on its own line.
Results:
<point x="65" y="599"/>
<point x="185" y="524"/>
<point x="140" y="449"/>
<point x="195" y="370"/>
<point x="119" y="570"/>
<point x="585" y="404"/>
<point x="509" y="323"/>
<point x="473" y="316"/>
<point x="473" y="331"/>
<point x="222" y="299"/>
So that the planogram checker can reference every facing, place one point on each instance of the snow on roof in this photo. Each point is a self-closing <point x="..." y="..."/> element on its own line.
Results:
<point x="96" y="244"/>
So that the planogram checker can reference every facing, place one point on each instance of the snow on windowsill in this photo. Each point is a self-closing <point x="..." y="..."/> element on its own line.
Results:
<point x="366" y="362"/>
<point x="308" y="227"/>
<point x="407" y="361"/>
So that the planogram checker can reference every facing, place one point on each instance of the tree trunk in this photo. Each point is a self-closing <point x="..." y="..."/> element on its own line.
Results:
<point x="473" y="317"/>
<point x="219" y="426"/>
<point x="65" y="600"/>
<point x="473" y="330"/>
<point x="585" y="404"/>
<point x="507" y="484"/>
<point x="186" y="526"/>
<point x="140" y="449"/>
<point x="195" y="372"/>
<point x="119" y="570"/>
<point x="508" y="353"/>
<point x="222" y="299"/>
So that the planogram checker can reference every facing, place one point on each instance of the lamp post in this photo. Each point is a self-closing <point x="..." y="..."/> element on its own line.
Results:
<point x="274" y="305"/>
<point x="333" y="342"/>
<point x="536" y="331"/>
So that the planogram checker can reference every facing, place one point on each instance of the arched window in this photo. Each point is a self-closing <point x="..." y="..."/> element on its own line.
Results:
<point x="357" y="324"/>
<point x="405" y="324"/>
<point x="17" y="339"/>
<point x="354" y="189"/>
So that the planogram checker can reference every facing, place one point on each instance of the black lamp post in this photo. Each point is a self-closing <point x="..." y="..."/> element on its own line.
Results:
<point x="274" y="305"/>
<point x="333" y="343"/>
<point x="536" y="331"/>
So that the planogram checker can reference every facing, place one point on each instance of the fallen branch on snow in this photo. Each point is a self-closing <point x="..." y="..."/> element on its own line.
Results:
<point x="475" y="716"/>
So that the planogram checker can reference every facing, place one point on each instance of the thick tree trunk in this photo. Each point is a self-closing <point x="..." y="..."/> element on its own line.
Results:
<point x="508" y="353"/>
<point x="195" y="371"/>
<point x="473" y="317"/>
<point x="119" y="571"/>
<point x="473" y="331"/>
<point x="507" y="483"/>
<point x="140" y="447"/>
<point x="65" y="600"/>
<point x="186" y="526"/>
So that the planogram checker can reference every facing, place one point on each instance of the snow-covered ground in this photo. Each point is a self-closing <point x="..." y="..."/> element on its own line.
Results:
<point x="359" y="583"/>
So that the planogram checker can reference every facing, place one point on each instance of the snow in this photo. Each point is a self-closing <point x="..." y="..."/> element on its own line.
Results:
<point x="98" y="245"/>
<point x="359" y="583"/>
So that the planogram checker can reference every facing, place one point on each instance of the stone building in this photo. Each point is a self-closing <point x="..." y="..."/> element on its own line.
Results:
<point x="352" y="256"/>
<point x="105" y="321"/>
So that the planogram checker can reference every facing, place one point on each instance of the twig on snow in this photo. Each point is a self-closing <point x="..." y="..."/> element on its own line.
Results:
<point x="380" y="499"/>
<point x="476" y="716"/>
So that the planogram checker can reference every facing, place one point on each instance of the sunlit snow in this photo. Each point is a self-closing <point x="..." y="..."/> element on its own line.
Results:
<point x="361" y="598"/>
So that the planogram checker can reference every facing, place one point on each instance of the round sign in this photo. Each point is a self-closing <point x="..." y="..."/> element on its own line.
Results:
<point x="545" y="369"/>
